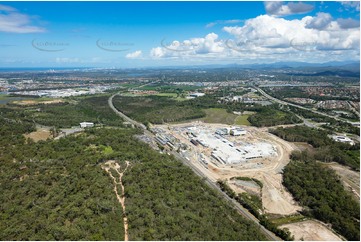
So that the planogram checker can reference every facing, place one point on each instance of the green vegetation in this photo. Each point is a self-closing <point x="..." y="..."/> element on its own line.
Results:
<point x="218" y="115"/>
<point x="327" y="150"/>
<point x="320" y="191"/>
<point x="156" y="109"/>
<point x="242" y="178"/>
<point x="331" y="124"/>
<point x="92" y="109"/>
<point x="272" y="116"/>
<point x="56" y="190"/>
<point x="341" y="127"/>
<point x="53" y="190"/>
<point x="242" y="120"/>
<point x="254" y="205"/>
<point x="160" y="109"/>
<point x="288" y="219"/>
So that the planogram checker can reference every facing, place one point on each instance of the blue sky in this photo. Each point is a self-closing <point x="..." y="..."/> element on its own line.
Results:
<point x="140" y="34"/>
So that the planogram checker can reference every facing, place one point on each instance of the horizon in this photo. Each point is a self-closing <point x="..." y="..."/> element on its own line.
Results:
<point x="176" y="34"/>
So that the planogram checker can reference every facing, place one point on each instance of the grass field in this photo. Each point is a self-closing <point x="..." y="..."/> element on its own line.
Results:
<point x="218" y="115"/>
<point x="242" y="120"/>
<point x="288" y="219"/>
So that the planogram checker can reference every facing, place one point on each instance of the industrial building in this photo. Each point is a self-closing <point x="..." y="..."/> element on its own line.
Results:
<point x="86" y="125"/>
<point x="223" y="150"/>
<point x="238" y="132"/>
<point x="195" y="95"/>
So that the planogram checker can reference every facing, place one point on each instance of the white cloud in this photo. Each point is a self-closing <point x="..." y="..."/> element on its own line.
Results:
<point x="321" y="21"/>
<point x="134" y="55"/>
<point x="14" y="22"/>
<point x="209" y="45"/>
<point x="270" y="38"/>
<point x="351" y="4"/>
<point x="7" y="8"/>
<point x="281" y="9"/>
<point x="265" y="32"/>
<point x="348" y="23"/>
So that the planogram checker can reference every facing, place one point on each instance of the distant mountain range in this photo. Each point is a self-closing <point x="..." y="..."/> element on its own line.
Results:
<point x="277" y="65"/>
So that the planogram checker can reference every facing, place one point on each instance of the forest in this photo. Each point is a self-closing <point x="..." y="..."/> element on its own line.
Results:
<point x="73" y="111"/>
<point x="323" y="196"/>
<point x="56" y="190"/>
<point x="272" y="116"/>
<point x="326" y="149"/>
<point x="157" y="110"/>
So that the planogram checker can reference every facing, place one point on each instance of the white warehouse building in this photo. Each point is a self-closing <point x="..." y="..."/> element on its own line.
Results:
<point x="86" y="125"/>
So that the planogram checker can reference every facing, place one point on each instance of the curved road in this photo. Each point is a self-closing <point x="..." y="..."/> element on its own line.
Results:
<point x="243" y="211"/>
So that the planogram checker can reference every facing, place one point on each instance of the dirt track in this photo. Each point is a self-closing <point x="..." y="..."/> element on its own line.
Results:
<point x="121" y="198"/>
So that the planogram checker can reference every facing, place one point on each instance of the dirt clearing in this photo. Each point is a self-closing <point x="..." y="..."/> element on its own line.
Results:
<point x="36" y="102"/>
<point x="40" y="134"/>
<point x="311" y="231"/>
<point x="350" y="178"/>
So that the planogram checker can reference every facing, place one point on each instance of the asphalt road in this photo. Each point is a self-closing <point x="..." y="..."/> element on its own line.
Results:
<point x="243" y="211"/>
<point x="298" y="106"/>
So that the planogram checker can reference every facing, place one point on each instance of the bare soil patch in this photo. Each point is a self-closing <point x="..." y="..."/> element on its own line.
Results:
<point x="311" y="230"/>
<point x="40" y="134"/>
<point x="36" y="102"/>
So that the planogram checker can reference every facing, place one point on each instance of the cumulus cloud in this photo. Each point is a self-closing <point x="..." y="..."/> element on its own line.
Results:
<point x="281" y="9"/>
<point x="208" y="45"/>
<point x="312" y="38"/>
<point x="321" y="31"/>
<point x="134" y="55"/>
<point x="12" y="21"/>
<point x="321" y="21"/>
<point x="348" y="23"/>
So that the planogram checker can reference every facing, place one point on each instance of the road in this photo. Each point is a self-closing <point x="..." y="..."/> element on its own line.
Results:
<point x="122" y="115"/>
<point x="298" y="106"/>
<point x="243" y="211"/>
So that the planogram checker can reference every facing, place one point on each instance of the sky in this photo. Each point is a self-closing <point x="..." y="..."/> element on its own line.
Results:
<point x="146" y="34"/>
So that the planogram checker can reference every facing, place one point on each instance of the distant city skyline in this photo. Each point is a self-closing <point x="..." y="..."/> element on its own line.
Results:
<point x="146" y="34"/>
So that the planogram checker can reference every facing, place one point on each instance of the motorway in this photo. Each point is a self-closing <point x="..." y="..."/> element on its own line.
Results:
<point x="243" y="211"/>
<point x="298" y="106"/>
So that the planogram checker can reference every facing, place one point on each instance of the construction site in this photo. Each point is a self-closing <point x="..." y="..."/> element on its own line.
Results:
<point x="226" y="152"/>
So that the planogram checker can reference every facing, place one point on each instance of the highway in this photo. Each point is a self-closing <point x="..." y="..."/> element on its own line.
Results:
<point x="243" y="211"/>
<point x="298" y="106"/>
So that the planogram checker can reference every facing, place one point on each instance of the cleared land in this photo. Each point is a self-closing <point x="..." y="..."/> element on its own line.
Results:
<point x="311" y="230"/>
<point x="350" y="178"/>
<point x="37" y="101"/>
<point x="275" y="198"/>
<point x="40" y="134"/>
<point x="218" y="115"/>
